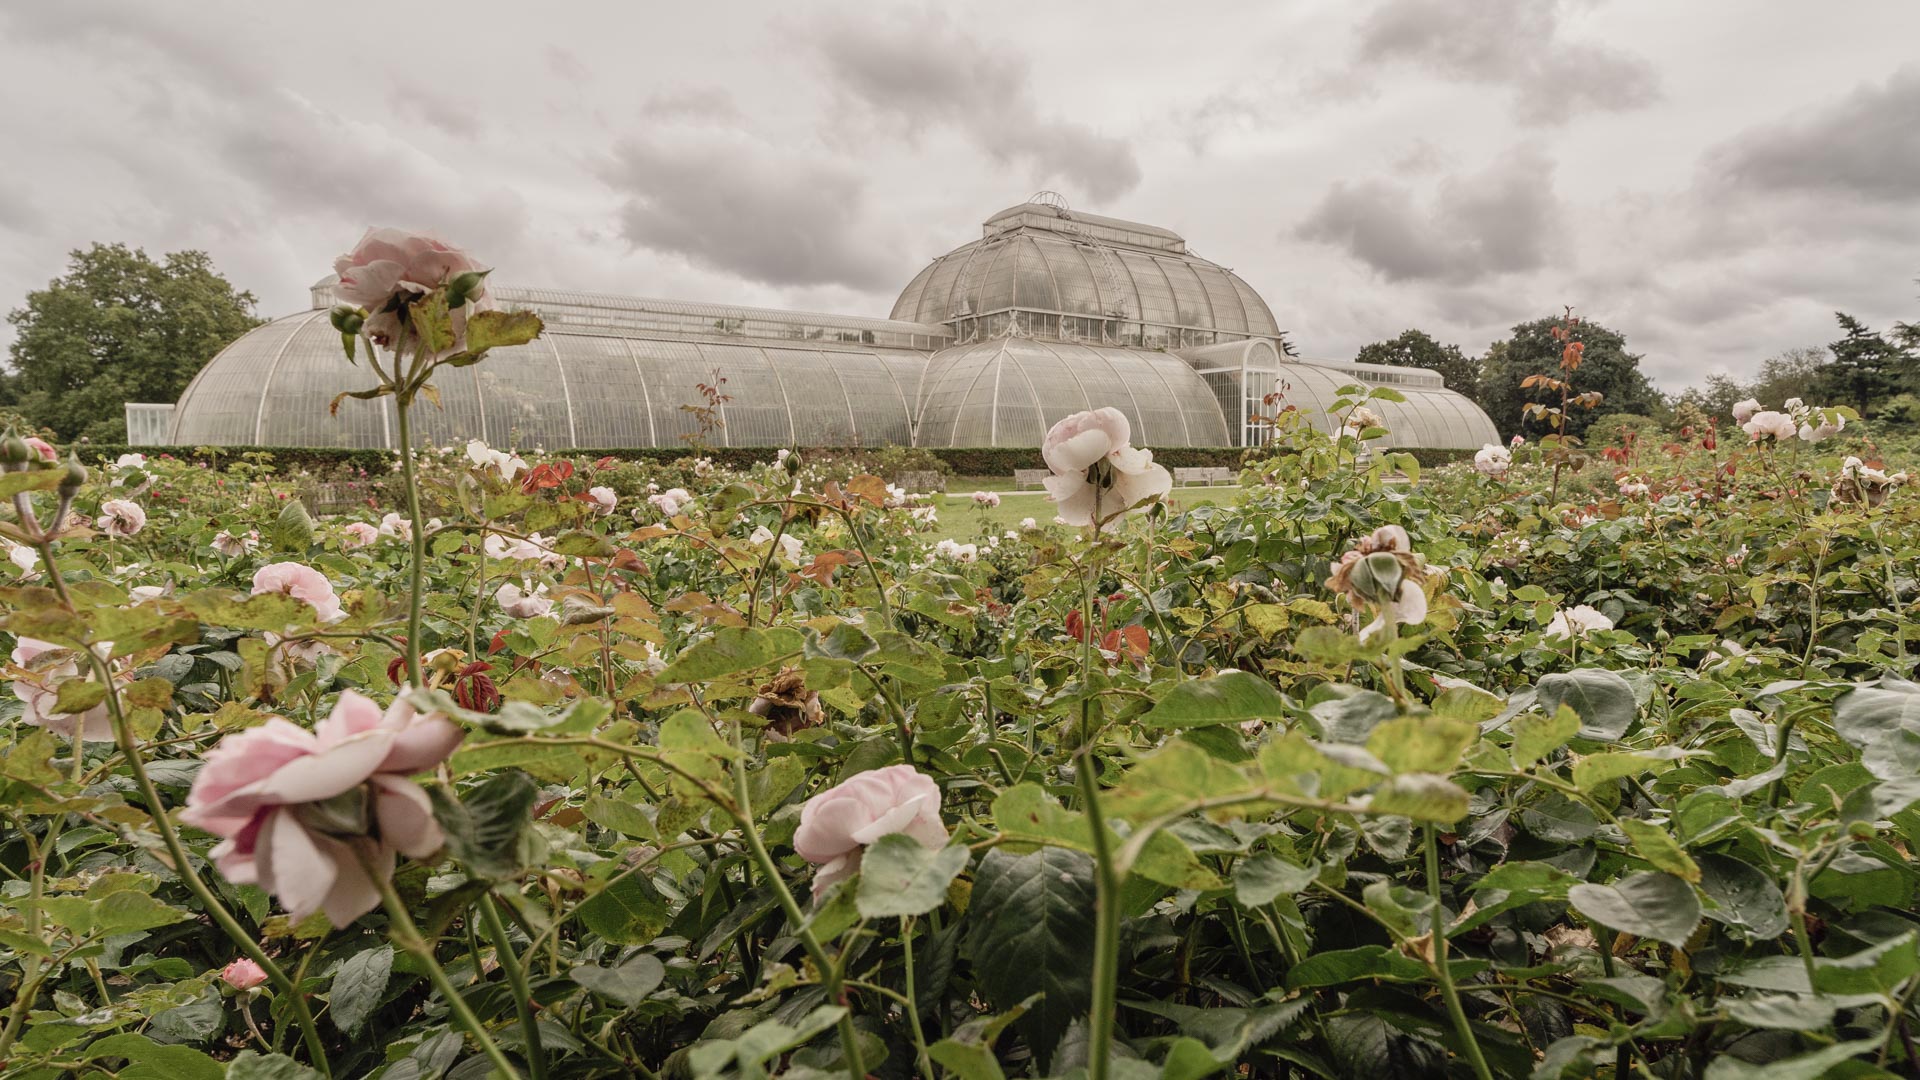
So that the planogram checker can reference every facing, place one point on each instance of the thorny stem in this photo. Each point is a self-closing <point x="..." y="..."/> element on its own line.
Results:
<point x="1442" y="971"/>
<point x="157" y="811"/>
<point x="912" y="1003"/>
<point x="407" y="935"/>
<point x="517" y="978"/>
<point x="1106" y="932"/>
<point x="402" y="403"/>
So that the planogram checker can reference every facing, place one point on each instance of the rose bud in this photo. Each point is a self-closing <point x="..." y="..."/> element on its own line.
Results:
<point x="347" y="319"/>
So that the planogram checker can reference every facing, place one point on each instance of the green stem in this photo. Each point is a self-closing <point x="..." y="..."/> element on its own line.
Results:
<point x="912" y="1004"/>
<point x="1445" y="973"/>
<point x="517" y="978"/>
<point x="407" y="936"/>
<point x="402" y="403"/>
<point x="183" y="867"/>
<point x="1106" y="921"/>
<point x="832" y="975"/>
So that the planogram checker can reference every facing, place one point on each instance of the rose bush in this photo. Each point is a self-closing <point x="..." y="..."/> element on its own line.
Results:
<point x="483" y="780"/>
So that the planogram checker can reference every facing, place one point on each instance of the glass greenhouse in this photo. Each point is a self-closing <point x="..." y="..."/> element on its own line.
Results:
<point x="1048" y="313"/>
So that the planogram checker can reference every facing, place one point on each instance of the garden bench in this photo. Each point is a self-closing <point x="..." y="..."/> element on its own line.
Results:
<point x="1208" y="476"/>
<point x="1025" y="478"/>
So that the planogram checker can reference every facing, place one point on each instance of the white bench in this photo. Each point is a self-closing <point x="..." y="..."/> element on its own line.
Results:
<point x="1207" y="476"/>
<point x="1026" y="478"/>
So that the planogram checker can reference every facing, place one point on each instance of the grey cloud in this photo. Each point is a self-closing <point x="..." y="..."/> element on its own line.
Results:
<point x="1501" y="221"/>
<point x="1867" y="145"/>
<point x="696" y="104"/>
<point x="434" y="108"/>
<point x="742" y="208"/>
<point x="926" y="70"/>
<point x="1516" y="43"/>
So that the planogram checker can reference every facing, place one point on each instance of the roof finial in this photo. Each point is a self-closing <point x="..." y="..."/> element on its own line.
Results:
<point x="1050" y="198"/>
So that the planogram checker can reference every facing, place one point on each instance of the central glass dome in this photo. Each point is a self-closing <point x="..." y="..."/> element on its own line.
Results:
<point x="1042" y="269"/>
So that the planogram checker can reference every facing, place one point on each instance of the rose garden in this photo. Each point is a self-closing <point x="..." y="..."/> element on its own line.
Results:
<point x="1554" y="763"/>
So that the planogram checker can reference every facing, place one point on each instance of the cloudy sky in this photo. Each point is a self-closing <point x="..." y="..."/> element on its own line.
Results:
<point x="1712" y="178"/>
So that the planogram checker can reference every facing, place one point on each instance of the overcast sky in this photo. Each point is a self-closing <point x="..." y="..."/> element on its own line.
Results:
<point x="1712" y="178"/>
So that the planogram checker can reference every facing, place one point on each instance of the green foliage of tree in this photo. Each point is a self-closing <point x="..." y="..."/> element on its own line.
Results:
<point x="118" y="327"/>
<point x="1418" y="349"/>
<point x="1867" y="370"/>
<point x="1607" y="367"/>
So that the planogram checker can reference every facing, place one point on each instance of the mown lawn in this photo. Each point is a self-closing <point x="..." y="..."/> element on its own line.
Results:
<point x="960" y="519"/>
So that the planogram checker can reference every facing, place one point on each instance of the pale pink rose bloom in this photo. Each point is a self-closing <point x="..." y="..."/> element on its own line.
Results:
<point x="390" y="261"/>
<point x="256" y="784"/>
<point x="243" y="974"/>
<point x="1075" y="444"/>
<point x="1517" y="441"/>
<point x="140" y="594"/>
<point x="1577" y="621"/>
<point x="1493" y="460"/>
<point x="358" y="535"/>
<point x="671" y="501"/>
<point x="485" y="457"/>
<point x="121" y="517"/>
<point x="396" y="525"/>
<point x="301" y="582"/>
<point x="42" y="448"/>
<point x="1743" y="411"/>
<point x="523" y="603"/>
<point x="37" y="692"/>
<point x="233" y="546"/>
<point x="987" y="499"/>
<point x="603" y="499"/>
<point x="838" y="823"/>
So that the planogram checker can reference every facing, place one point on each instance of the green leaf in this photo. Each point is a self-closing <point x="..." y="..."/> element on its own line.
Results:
<point x="621" y="816"/>
<point x="1512" y="885"/>
<point x="629" y="983"/>
<point x="248" y="1065"/>
<point x="1535" y="735"/>
<point x="730" y="650"/>
<point x="1032" y="933"/>
<point x="293" y="530"/>
<point x="495" y="329"/>
<point x="358" y="984"/>
<point x="14" y="483"/>
<point x="1743" y="896"/>
<point x="149" y="1060"/>
<point x="1351" y="716"/>
<point x="486" y="826"/>
<point x="1227" y="698"/>
<point x="78" y="695"/>
<point x="1877" y="969"/>
<point x="629" y="911"/>
<point x="1652" y="843"/>
<point x="1596" y="769"/>
<point x="1603" y="700"/>
<point x="1259" y="880"/>
<point x="1425" y="744"/>
<point x="125" y="911"/>
<point x="1650" y="905"/>
<point x="899" y="876"/>
<point x="1811" y="1066"/>
<point x="1422" y="797"/>
<point x="1340" y="966"/>
<point x="1866" y="713"/>
<point x="1782" y="1012"/>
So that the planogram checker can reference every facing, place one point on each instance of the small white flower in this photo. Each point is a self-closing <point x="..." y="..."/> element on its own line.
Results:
<point x="130" y="461"/>
<point x="140" y="594"/>
<point x="397" y="525"/>
<point x="1770" y="425"/>
<point x="986" y="499"/>
<point x="1743" y="411"/>
<point x="1577" y="621"/>
<point x="603" y="499"/>
<point x="233" y="546"/>
<point x="958" y="552"/>
<point x="521" y="602"/>
<point x="1493" y="461"/>
<point x="486" y="457"/>
<point x="21" y="556"/>
<point x="671" y="501"/>
<point x="120" y="517"/>
<point x="1028" y="524"/>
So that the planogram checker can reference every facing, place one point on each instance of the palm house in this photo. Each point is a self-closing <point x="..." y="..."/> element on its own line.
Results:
<point x="1049" y="312"/>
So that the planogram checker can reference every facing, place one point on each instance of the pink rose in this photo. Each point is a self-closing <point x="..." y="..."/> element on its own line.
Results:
<point x="603" y="499"/>
<point x="387" y="262"/>
<point x="302" y="583"/>
<point x="837" y="824"/>
<point x="42" y="448"/>
<point x="243" y="974"/>
<point x="121" y="517"/>
<point x="298" y="810"/>
<point x="47" y="664"/>
<point x="1095" y="473"/>
<point x="358" y="535"/>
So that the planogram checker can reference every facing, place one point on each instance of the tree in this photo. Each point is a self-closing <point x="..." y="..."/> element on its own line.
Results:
<point x="1606" y="366"/>
<point x="1417" y="349"/>
<point x="118" y="327"/>
<point x="1867" y="370"/>
<point x="1795" y="373"/>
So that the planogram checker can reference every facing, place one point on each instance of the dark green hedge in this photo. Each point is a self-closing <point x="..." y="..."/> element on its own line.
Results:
<point x="965" y="461"/>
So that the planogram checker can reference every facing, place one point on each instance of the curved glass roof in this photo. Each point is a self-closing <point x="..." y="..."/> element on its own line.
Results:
<point x="1050" y="312"/>
<point x="577" y="386"/>
<point x="1139" y="278"/>
<point x="1431" y="416"/>
<point x="1009" y="391"/>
